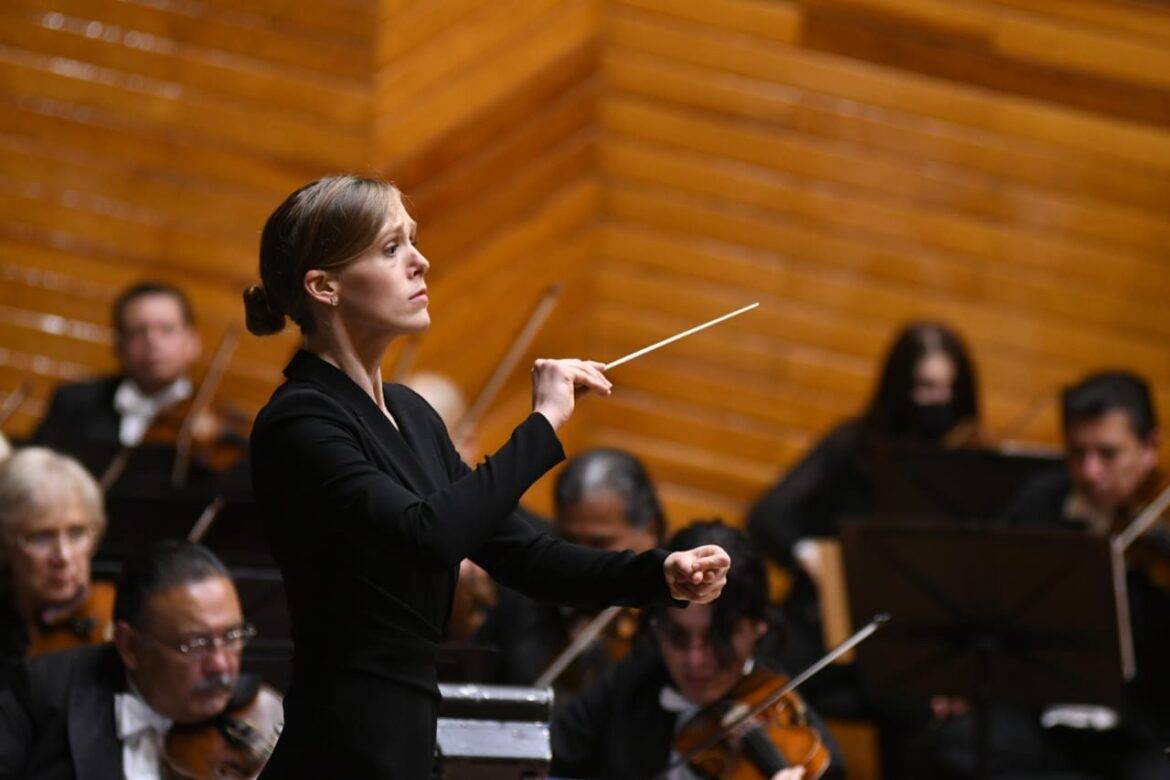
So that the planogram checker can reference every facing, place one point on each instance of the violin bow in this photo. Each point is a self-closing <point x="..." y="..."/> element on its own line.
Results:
<point x="206" y="518"/>
<point x="520" y="344"/>
<point x="580" y="643"/>
<point x="203" y="398"/>
<point x="740" y="714"/>
<point x="1144" y="521"/>
<point x="13" y="401"/>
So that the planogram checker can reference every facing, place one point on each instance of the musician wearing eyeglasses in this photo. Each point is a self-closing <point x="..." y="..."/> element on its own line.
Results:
<point x="104" y="711"/>
<point x="686" y="663"/>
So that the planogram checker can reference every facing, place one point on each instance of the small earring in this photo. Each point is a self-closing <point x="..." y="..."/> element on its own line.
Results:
<point x="333" y="301"/>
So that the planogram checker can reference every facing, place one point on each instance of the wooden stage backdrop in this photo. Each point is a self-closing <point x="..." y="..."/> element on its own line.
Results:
<point x="1003" y="165"/>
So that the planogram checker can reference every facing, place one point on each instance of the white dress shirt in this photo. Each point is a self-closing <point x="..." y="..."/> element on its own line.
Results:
<point x="138" y="409"/>
<point x="141" y="731"/>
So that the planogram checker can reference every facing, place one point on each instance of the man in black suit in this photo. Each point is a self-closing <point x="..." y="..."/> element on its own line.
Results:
<point x="1111" y="473"/>
<point x="103" y="711"/>
<point x="156" y="343"/>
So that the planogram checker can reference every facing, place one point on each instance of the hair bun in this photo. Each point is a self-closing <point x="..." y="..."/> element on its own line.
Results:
<point x="259" y="316"/>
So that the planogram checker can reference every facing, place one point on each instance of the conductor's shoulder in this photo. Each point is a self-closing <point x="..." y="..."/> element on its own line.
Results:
<point x="411" y="403"/>
<point x="299" y="399"/>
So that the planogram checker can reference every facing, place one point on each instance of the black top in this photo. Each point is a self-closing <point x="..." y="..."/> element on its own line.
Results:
<point x="617" y="729"/>
<point x="57" y="718"/>
<point x="369" y="522"/>
<point x="829" y="483"/>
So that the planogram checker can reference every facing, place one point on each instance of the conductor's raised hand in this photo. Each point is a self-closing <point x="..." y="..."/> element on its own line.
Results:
<point x="697" y="575"/>
<point x="554" y="383"/>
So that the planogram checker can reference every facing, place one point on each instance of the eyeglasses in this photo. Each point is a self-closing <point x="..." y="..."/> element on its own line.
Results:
<point x="204" y="645"/>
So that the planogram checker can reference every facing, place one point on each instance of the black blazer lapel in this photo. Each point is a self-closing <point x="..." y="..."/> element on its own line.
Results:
<point x="93" y="738"/>
<point x="395" y="451"/>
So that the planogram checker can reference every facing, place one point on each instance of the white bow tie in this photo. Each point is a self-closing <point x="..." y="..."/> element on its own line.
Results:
<point x="130" y="400"/>
<point x="133" y="716"/>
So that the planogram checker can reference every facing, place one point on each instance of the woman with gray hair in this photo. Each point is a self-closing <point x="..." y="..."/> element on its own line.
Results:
<point x="51" y="519"/>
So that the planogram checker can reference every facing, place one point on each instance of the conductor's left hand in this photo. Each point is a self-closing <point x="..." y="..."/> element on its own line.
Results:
<point x="697" y="575"/>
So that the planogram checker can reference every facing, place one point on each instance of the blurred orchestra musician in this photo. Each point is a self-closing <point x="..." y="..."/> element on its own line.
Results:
<point x="157" y="344"/>
<point x="1111" y="473"/>
<point x="604" y="499"/>
<point x="51" y="518"/>
<point x="687" y="661"/>
<point x="927" y="393"/>
<point x="106" y="711"/>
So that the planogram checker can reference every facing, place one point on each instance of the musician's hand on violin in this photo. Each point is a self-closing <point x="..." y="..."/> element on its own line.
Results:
<point x="554" y="384"/>
<point x="697" y="575"/>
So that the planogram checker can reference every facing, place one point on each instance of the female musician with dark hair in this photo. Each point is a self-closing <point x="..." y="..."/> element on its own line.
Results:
<point x="927" y="393"/>
<point x="367" y="506"/>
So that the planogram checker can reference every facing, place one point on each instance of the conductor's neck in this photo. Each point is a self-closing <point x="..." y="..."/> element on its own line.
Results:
<point x="358" y="356"/>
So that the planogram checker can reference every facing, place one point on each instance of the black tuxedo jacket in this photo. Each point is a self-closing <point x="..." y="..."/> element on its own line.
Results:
<point x="57" y="717"/>
<point x="81" y="415"/>
<point x="369" y="522"/>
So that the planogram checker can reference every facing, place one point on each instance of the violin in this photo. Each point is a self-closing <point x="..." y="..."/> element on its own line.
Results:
<point x="88" y="622"/>
<point x="1145" y="542"/>
<point x="235" y="743"/>
<point x="215" y="437"/>
<point x="761" y="727"/>
<point x="778" y="737"/>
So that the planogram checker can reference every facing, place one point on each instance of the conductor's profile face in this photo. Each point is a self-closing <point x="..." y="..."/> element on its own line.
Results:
<point x="384" y="290"/>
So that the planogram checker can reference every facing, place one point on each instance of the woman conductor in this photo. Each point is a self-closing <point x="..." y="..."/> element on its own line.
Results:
<point x="368" y="508"/>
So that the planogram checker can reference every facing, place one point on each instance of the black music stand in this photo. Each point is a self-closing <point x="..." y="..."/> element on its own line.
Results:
<point x="927" y="482"/>
<point x="1006" y="615"/>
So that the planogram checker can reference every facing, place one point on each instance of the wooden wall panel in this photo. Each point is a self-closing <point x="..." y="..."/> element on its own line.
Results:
<point x="855" y="164"/>
<point x="145" y="139"/>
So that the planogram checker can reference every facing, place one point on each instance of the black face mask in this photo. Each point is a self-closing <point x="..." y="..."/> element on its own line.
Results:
<point x="933" y="421"/>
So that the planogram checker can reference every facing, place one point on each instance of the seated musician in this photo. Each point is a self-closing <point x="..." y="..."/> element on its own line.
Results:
<point x="604" y="499"/>
<point x="927" y="393"/>
<point x="104" y="711"/>
<point x="156" y="343"/>
<point x="624" y="724"/>
<point x="51" y="518"/>
<point x="1111" y="473"/>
